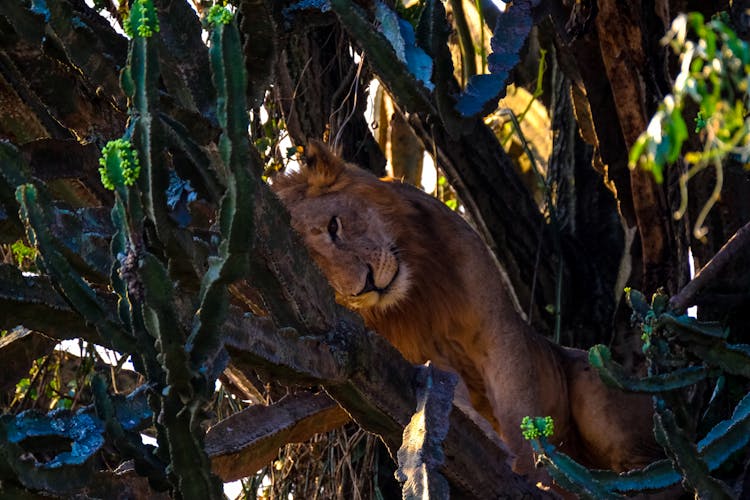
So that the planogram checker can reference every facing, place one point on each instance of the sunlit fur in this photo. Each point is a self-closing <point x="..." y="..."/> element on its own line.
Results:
<point x="447" y="303"/>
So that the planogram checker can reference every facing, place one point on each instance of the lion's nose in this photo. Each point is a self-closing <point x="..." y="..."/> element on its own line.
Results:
<point x="369" y="282"/>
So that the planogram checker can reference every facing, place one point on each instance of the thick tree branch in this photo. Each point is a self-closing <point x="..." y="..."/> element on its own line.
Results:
<point x="359" y="369"/>
<point x="734" y="250"/>
<point x="243" y="443"/>
<point x="31" y="301"/>
<point x="371" y="380"/>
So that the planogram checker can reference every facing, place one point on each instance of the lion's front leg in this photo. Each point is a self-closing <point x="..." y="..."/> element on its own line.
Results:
<point x="526" y="381"/>
<point x="615" y="427"/>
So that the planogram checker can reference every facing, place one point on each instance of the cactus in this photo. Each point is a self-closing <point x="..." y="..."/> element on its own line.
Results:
<point x="236" y="213"/>
<point x="689" y="462"/>
<point x="615" y="375"/>
<point x="180" y="363"/>
<point x="533" y="428"/>
<point x="142" y="21"/>
<point x="119" y="164"/>
<point x="72" y="285"/>
<point x="684" y="456"/>
<point x="726" y="438"/>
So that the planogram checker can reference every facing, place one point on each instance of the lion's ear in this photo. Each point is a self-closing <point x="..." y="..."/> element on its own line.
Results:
<point x="322" y="164"/>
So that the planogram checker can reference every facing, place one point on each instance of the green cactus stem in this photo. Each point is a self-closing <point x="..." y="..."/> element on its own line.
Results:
<point x="614" y="375"/>
<point x="569" y="474"/>
<point x="684" y="455"/>
<point x="72" y="285"/>
<point x="236" y="213"/>
<point x="688" y="462"/>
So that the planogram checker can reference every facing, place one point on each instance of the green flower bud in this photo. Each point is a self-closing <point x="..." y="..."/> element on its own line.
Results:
<point x="535" y="427"/>
<point x="119" y="164"/>
<point x="219" y="14"/>
<point x="143" y="21"/>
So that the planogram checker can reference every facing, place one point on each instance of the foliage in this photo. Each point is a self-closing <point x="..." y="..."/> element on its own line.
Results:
<point x="45" y="386"/>
<point x="23" y="254"/>
<point x="444" y="193"/>
<point x="184" y="379"/>
<point x="713" y="75"/>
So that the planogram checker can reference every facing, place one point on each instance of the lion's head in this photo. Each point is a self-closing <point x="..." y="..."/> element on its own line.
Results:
<point x="351" y="239"/>
<point x="382" y="246"/>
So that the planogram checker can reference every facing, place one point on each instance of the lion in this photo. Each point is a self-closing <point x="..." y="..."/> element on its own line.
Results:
<point x="422" y="277"/>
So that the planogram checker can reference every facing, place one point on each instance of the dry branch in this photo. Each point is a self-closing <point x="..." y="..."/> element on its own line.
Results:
<point x="245" y="442"/>
<point x="715" y="270"/>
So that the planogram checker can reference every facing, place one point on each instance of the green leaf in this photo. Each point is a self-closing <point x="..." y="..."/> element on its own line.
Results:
<point x="678" y="134"/>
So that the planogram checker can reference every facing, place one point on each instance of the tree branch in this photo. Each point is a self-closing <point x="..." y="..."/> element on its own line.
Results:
<point x="736" y="248"/>
<point x="370" y="379"/>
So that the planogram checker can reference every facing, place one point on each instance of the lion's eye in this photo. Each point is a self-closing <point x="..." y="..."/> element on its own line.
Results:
<point x="334" y="225"/>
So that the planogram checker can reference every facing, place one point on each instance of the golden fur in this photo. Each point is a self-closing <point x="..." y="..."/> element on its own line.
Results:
<point x="420" y="276"/>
